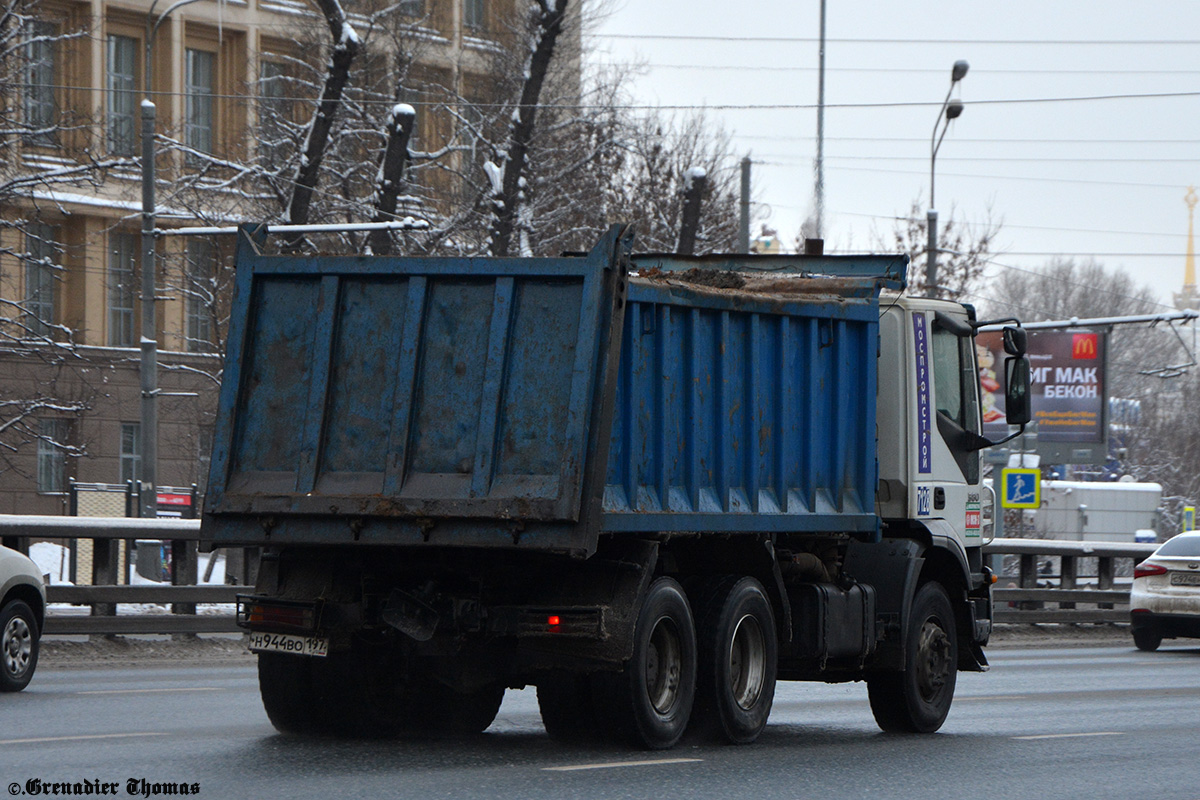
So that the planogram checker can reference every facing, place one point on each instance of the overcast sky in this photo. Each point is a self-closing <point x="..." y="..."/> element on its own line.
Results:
<point x="1103" y="178"/>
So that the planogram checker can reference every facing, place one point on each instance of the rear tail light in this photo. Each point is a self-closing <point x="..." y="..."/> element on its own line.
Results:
<point x="279" y="615"/>
<point x="1146" y="569"/>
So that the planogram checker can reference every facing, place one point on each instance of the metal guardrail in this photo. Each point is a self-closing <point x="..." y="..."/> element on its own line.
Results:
<point x="1026" y="602"/>
<point x="103" y="599"/>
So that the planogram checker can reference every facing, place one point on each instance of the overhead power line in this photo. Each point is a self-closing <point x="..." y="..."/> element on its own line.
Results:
<point x="905" y="70"/>
<point x="1007" y="225"/>
<point x="1045" y="159"/>
<point x="925" y="173"/>
<point x="852" y="40"/>
<point x="925" y="140"/>
<point x="690" y="107"/>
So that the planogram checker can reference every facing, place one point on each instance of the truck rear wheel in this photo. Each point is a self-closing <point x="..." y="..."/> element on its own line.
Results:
<point x="464" y="713"/>
<point x="650" y="701"/>
<point x="738" y="650"/>
<point x="918" y="699"/>
<point x="285" y="683"/>
<point x="368" y="691"/>
<point x="565" y="700"/>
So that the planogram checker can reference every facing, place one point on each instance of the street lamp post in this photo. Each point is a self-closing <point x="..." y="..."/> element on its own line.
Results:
<point x="149" y="343"/>
<point x="949" y="110"/>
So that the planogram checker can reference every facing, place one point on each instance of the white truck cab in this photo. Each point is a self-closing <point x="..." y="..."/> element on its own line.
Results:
<point x="929" y="418"/>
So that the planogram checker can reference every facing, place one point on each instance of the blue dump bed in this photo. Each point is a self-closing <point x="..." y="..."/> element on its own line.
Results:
<point x="537" y="403"/>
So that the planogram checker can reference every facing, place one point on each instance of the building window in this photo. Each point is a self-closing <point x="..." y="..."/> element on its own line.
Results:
<point x="122" y="75"/>
<point x="52" y="455"/>
<point x="122" y="255"/>
<point x="41" y="106"/>
<point x="274" y="111"/>
<point x="41" y="264"/>
<point x="199" y="90"/>
<point x="473" y="16"/>
<point x="200" y="294"/>
<point x="131" y="451"/>
<point x="412" y="8"/>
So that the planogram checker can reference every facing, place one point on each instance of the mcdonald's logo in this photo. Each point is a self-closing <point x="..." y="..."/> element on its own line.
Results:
<point x="1083" y="346"/>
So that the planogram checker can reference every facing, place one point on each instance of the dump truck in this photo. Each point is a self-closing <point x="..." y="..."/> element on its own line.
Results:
<point x="651" y="486"/>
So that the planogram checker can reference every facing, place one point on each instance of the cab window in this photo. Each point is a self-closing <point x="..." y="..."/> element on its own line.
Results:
<point x="954" y="381"/>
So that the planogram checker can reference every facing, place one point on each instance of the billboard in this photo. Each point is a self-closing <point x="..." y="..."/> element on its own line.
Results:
<point x="1068" y="391"/>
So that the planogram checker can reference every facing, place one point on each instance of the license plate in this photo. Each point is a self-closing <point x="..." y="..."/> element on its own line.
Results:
<point x="286" y="643"/>
<point x="1185" y="579"/>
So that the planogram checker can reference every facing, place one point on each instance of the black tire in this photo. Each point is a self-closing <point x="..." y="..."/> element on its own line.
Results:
<point x="286" y="685"/>
<point x="1147" y="639"/>
<point x="738" y="659"/>
<point x="18" y="645"/>
<point x="649" y="702"/>
<point x="464" y="713"/>
<point x="918" y="699"/>
<point x="369" y="692"/>
<point x="565" y="700"/>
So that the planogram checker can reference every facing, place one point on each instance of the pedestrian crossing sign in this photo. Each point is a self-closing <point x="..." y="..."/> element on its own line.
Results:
<point x="1022" y="488"/>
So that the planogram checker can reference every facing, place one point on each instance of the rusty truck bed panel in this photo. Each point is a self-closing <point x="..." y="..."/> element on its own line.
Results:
<point x="538" y="402"/>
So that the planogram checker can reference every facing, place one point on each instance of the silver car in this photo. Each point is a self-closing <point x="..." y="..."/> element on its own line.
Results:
<point x="1164" y="602"/>
<point x="22" y="611"/>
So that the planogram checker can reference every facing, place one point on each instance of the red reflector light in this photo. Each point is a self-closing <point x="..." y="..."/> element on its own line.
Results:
<point x="1146" y="569"/>
<point x="553" y="621"/>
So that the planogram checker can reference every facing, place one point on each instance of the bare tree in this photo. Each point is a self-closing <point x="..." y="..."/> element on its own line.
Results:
<point x="345" y="45"/>
<point x="508" y="202"/>
<point x="1066" y="288"/>
<point x="47" y="150"/>
<point x="1157" y="438"/>
<point x="651" y="176"/>
<point x="1164" y="446"/>
<point x="524" y="155"/>
<point x="964" y="250"/>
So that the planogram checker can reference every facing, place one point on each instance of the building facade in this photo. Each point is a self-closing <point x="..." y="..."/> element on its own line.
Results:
<point x="232" y="83"/>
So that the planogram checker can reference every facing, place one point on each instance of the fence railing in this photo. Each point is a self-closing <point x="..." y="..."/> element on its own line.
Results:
<point x="1053" y="580"/>
<point x="1055" y="577"/>
<point x="104" y="595"/>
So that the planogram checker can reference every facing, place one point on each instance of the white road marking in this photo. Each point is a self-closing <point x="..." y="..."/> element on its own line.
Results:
<point x="80" y="738"/>
<point x="1069" y="735"/>
<point x="153" y="691"/>
<point x="619" y="764"/>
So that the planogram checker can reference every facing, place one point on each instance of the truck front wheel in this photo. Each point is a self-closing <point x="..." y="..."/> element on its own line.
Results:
<point x="918" y="699"/>
<point x="650" y="701"/>
<point x="738" y="657"/>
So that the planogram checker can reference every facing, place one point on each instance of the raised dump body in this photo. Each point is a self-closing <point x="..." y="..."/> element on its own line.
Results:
<point x="534" y="403"/>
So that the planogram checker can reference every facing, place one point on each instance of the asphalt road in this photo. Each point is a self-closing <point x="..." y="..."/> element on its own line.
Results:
<point x="1093" y="722"/>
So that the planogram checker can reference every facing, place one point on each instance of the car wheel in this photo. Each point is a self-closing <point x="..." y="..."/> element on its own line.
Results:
<point x="1147" y="639"/>
<point x="18" y="646"/>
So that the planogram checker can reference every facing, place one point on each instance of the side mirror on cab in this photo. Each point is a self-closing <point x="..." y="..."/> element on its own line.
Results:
<point x="1015" y="341"/>
<point x="1018" y="407"/>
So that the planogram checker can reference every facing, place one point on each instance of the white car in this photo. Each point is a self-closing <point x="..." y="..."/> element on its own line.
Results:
<point x="22" y="611"/>
<point x="1164" y="602"/>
